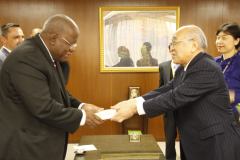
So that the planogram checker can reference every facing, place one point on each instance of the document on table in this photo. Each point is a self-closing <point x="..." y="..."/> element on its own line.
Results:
<point x="81" y="149"/>
<point x="106" y="114"/>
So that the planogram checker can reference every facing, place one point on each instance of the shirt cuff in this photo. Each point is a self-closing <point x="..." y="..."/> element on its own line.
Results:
<point x="140" y="109"/>
<point x="83" y="120"/>
<point x="80" y="105"/>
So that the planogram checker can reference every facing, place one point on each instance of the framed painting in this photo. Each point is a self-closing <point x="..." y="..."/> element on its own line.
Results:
<point x="133" y="92"/>
<point x="135" y="39"/>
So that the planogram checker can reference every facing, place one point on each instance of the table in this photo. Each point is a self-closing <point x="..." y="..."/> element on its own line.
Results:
<point x="120" y="144"/>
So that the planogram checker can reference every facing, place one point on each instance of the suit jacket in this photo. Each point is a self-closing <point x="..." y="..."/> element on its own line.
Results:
<point x="36" y="112"/>
<point x="3" y="55"/>
<point x="165" y="72"/>
<point x="65" y="70"/>
<point x="204" y="117"/>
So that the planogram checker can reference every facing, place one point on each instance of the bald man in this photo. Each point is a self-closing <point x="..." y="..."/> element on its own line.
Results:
<point x="198" y="94"/>
<point x="36" y="112"/>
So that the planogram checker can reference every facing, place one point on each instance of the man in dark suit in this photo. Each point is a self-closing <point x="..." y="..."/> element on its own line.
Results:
<point x="167" y="71"/>
<point x="36" y="112"/>
<point x="199" y="96"/>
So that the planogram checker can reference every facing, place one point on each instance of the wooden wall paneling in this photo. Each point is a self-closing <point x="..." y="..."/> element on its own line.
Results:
<point x="230" y="12"/>
<point x="214" y="19"/>
<point x="95" y="87"/>
<point x="210" y="21"/>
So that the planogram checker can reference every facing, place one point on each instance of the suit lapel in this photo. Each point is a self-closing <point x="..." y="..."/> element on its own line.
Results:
<point x="169" y="72"/>
<point x="55" y="67"/>
<point x="44" y="50"/>
<point x="62" y="84"/>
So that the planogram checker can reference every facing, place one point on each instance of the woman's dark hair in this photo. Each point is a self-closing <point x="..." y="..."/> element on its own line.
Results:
<point x="232" y="29"/>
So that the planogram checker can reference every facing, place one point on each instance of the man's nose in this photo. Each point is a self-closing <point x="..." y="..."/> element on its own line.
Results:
<point x="21" y="39"/>
<point x="69" y="53"/>
<point x="71" y="50"/>
<point x="171" y="49"/>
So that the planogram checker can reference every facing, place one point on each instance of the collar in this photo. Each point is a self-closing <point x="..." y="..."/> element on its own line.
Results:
<point x="47" y="49"/>
<point x="196" y="58"/>
<point x="9" y="51"/>
<point x="185" y="68"/>
<point x="174" y="66"/>
<point x="231" y="58"/>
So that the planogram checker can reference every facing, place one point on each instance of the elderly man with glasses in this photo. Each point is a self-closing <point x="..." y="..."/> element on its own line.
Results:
<point x="11" y="36"/>
<point x="36" y="112"/>
<point x="199" y="95"/>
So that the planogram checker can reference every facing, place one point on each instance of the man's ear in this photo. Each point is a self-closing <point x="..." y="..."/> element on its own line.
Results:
<point x="52" y="38"/>
<point x="195" y="46"/>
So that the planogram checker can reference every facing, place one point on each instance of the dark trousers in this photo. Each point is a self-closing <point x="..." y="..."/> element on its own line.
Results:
<point x="170" y="130"/>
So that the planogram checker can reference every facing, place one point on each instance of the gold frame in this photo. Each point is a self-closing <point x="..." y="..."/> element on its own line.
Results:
<point x="130" y="91"/>
<point x="106" y="10"/>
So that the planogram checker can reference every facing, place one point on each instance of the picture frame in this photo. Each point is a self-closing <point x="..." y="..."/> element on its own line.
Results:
<point x="135" y="39"/>
<point x="133" y="92"/>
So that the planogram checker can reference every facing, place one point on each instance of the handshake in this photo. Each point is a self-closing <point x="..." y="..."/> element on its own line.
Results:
<point x="119" y="112"/>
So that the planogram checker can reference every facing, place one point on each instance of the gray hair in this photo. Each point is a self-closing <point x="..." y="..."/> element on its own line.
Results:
<point x="196" y="33"/>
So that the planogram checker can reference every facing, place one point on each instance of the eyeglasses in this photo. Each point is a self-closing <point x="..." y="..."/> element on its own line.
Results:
<point x="174" y="43"/>
<point x="72" y="46"/>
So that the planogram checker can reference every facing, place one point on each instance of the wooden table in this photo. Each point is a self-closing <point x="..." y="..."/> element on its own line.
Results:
<point x="119" y="144"/>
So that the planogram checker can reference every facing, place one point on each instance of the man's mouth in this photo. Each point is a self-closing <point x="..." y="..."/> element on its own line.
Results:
<point x="220" y="47"/>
